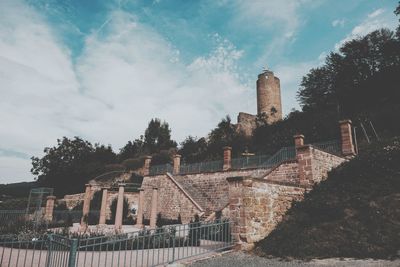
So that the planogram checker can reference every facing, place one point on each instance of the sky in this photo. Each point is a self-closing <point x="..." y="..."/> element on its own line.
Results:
<point x="102" y="69"/>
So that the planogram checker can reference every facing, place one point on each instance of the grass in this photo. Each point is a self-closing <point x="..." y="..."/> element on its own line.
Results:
<point x="354" y="213"/>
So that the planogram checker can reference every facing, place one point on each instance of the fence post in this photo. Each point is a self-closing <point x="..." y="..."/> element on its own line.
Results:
<point x="72" y="253"/>
<point x="49" y="252"/>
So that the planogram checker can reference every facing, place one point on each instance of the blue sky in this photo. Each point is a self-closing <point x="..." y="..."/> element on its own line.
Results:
<point x="102" y="69"/>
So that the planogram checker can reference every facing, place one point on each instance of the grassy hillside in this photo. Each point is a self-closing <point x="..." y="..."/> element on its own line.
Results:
<point x="354" y="213"/>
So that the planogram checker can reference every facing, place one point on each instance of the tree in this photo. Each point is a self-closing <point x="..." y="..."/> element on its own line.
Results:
<point x="193" y="149"/>
<point x="157" y="136"/>
<point x="225" y="134"/>
<point x="132" y="149"/>
<point x="70" y="164"/>
<point x="358" y="80"/>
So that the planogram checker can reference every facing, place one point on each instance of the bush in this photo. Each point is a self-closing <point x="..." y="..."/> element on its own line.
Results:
<point x="133" y="163"/>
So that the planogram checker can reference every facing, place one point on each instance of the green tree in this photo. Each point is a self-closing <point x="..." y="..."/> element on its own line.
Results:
<point x="70" y="164"/>
<point x="132" y="149"/>
<point x="193" y="149"/>
<point x="157" y="137"/>
<point x="225" y="134"/>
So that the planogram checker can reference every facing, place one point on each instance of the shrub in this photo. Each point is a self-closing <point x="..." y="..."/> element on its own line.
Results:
<point x="132" y="164"/>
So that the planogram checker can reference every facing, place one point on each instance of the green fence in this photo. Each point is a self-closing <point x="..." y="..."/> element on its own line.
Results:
<point x="160" y="169"/>
<point x="249" y="162"/>
<point x="206" y="166"/>
<point x="332" y="147"/>
<point x="143" y="248"/>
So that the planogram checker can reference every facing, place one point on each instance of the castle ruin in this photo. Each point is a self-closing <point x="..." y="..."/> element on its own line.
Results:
<point x="269" y="104"/>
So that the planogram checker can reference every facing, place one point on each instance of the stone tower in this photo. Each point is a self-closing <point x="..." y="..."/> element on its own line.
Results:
<point x="269" y="103"/>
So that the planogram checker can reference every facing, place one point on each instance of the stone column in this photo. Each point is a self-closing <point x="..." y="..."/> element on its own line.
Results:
<point x="304" y="160"/>
<point x="298" y="140"/>
<point x="120" y="207"/>
<point x="86" y="205"/>
<point x="154" y="207"/>
<point x="103" y="208"/>
<point x="227" y="158"/>
<point x="146" y="167"/>
<point x="347" y="138"/>
<point x="240" y="211"/>
<point x="177" y="164"/>
<point x="49" y="208"/>
<point x="139" y="215"/>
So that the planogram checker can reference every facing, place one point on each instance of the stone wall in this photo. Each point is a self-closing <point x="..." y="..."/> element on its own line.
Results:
<point x="208" y="190"/>
<point x="285" y="173"/>
<point x="246" y="123"/>
<point x="322" y="163"/>
<point x="172" y="199"/>
<point x="257" y="206"/>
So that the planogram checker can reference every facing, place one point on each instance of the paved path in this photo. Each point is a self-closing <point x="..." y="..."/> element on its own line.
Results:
<point x="18" y="257"/>
<point x="234" y="259"/>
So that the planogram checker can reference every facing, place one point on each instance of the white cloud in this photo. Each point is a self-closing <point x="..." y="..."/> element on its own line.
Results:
<point x="377" y="19"/>
<point x="126" y="75"/>
<point x="290" y="75"/>
<point x="338" y="22"/>
<point x="282" y="17"/>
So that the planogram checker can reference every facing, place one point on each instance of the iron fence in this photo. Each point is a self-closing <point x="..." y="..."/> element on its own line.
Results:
<point x="264" y="161"/>
<point x="207" y="166"/>
<point x="249" y="162"/>
<point x="332" y="147"/>
<point x="144" y="248"/>
<point x="160" y="169"/>
<point x="260" y="161"/>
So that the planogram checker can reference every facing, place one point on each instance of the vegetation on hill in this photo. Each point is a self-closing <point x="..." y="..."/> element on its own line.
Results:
<point x="354" y="213"/>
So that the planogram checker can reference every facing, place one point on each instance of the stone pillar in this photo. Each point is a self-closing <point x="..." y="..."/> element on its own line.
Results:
<point x="146" y="167"/>
<point x="240" y="210"/>
<point x="298" y="140"/>
<point x="347" y="138"/>
<point x="304" y="160"/>
<point x="86" y="205"/>
<point x="139" y="215"/>
<point x="154" y="207"/>
<point x="103" y="208"/>
<point x="49" y="208"/>
<point x="120" y="207"/>
<point x="227" y="158"/>
<point x="177" y="164"/>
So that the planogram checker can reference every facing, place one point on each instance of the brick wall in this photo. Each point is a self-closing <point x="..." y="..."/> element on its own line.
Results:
<point x="257" y="206"/>
<point x="172" y="200"/>
<point x="322" y="163"/>
<point x="208" y="190"/>
<point x="287" y="173"/>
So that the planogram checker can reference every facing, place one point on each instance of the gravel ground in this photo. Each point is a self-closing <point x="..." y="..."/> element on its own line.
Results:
<point x="235" y="259"/>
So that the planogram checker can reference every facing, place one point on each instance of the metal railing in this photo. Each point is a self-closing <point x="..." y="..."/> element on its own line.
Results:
<point x="332" y="147"/>
<point x="160" y="169"/>
<point x="264" y="161"/>
<point x="258" y="161"/>
<point x="206" y="166"/>
<point x="249" y="162"/>
<point x="144" y="248"/>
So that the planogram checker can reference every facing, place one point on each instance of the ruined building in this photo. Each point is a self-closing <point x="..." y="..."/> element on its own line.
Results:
<point x="269" y="105"/>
